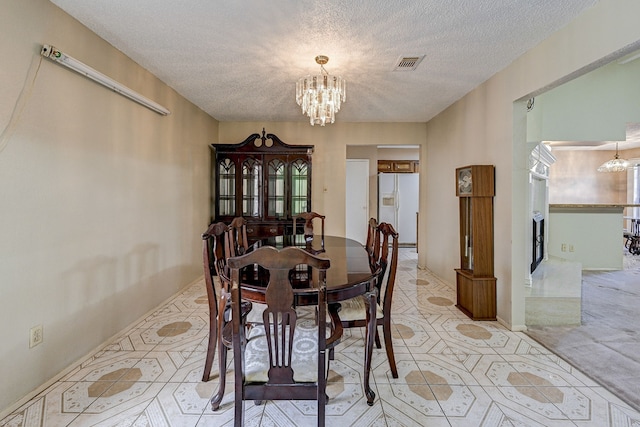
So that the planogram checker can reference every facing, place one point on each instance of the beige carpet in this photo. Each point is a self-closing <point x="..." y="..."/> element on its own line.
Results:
<point x="606" y="346"/>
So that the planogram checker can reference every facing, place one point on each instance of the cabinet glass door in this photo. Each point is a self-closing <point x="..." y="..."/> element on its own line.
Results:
<point x="227" y="187"/>
<point x="299" y="187"/>
<point x="466" y="233"/>
<point x="263" y="180"/>
<point x="276" y="190"/>
<point x="251" y="188"/>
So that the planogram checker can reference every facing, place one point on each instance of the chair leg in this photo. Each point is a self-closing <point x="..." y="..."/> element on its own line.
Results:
<point x="321" y="396"/>
<point x="378" y="345"/>
<point x="238" y="420"/>
<point x="211" y="350"/>
<point x="369" y="338"/>
<point x="386" y="330"/>
<point x="222" y="359"/>
<point x="321" y="409"/>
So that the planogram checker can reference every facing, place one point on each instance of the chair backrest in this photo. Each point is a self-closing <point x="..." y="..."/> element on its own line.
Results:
<point x="282" y="381"/>
<point x="388" y="262"/>
<point x="214" y="261"/>
<point x="373" y="242"/>
<point x="237" y="242"/>
<point x="308" y="218"/>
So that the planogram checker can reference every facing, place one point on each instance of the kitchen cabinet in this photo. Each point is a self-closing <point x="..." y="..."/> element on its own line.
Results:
<point x="398" y="166"/>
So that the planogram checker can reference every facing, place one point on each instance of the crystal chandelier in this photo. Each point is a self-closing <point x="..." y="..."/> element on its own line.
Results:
<point x="614" y="165"/>
<point x="320" y="95"/>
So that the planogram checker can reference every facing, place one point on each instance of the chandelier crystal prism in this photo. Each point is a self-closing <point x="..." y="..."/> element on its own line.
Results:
<point x="321" y="95"/>
<point x="614" y="165"/>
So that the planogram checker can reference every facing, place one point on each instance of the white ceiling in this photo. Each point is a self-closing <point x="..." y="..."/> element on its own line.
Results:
<point x="239" y="60"/>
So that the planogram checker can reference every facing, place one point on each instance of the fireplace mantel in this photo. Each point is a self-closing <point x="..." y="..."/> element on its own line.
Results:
<point x="586" y="208"/>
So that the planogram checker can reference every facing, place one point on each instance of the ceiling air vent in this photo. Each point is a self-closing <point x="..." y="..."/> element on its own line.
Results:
<point x="408" y="63"/>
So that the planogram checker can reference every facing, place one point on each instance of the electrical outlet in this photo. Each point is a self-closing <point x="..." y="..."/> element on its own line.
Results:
<point x="35" y="336"/>
<point x="570" y="248"/>
<point x="563" y="247"/>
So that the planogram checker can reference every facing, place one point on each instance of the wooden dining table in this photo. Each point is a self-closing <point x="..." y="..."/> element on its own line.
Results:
<point x="349" y="276"/>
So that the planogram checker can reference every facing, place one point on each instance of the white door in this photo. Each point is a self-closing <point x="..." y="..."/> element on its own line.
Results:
<point x="357" y="199"/>
<point x="408" y="195"/>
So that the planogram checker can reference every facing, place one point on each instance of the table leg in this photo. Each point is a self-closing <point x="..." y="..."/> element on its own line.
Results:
<point x="370" y="298"/>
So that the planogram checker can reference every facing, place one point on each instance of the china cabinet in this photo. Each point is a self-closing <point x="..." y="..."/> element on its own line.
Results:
<point x="262" y="179"/>
<point x="475" y="283"/>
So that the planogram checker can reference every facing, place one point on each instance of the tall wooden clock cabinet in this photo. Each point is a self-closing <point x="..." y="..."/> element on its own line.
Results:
<point x="475" y="283"/>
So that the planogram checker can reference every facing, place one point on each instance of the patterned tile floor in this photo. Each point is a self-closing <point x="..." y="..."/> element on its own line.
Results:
<point x="452" y="372"/>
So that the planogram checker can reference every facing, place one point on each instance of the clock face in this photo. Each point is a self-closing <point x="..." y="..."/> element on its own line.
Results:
<point x="465" y="183"/>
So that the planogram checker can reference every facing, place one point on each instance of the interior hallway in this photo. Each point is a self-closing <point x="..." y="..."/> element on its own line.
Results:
<point x="452" y="372"/>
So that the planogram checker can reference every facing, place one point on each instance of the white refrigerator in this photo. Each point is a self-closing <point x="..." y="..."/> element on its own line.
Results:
<point x="398" y="195"/>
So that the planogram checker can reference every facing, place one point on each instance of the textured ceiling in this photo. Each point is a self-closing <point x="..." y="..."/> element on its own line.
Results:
<point x="239" y="60"/>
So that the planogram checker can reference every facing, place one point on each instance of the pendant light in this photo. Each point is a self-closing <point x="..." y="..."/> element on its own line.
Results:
<point x="614" y="165"/>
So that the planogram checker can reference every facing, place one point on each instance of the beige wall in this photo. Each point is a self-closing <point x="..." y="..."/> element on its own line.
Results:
<point x="102" y="201"/>
<point x="573" y="178"/>
<point x="600" y="248"/>
<point x="404" y="153"/>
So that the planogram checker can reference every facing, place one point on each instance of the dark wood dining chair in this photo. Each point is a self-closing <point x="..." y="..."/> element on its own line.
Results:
<point x="308" y="218"/>
<point x="285" y="358"/>
<point x="373" y="250"/>
<point x="353" y="311"/>
<point x="237" y="242"/>
<point x="218" y="296"/>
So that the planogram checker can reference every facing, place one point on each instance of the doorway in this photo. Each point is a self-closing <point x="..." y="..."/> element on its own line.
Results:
<point x="362" y="204"/>
<point x="357" y="199"/>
